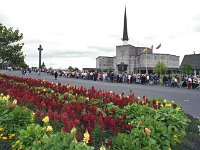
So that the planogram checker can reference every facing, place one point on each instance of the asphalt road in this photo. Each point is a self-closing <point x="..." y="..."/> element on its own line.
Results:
<point x="189" y="99"/>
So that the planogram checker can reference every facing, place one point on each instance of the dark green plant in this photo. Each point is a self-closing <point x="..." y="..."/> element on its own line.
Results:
<point x="187" y="69"/>
<point x="13" y="118"/>
<point x="160" y="68"/>
<point x="60" y="141"/>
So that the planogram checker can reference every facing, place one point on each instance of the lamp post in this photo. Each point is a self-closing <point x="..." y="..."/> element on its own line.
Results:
<point x="145" y="50"/>
<point x="194" y="65"/>
<point x="40" y="50"/>
<point x="146" y="63"/>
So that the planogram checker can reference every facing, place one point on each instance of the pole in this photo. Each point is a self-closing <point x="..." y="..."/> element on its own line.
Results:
<point x="40" y="50"/>
<point x="194" y="65"/>
<point x="146" y="64"/>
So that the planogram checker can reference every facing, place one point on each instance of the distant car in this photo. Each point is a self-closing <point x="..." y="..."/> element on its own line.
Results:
<point x="9" y="68"/>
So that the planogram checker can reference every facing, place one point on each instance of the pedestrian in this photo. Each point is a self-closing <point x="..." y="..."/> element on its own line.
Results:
<point x="56" y="75"/>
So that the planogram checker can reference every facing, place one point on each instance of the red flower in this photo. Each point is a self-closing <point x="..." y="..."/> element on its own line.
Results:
<point x="42" y="115"/>
<point x="50" y="113"/>
<point x="56" y="117"/>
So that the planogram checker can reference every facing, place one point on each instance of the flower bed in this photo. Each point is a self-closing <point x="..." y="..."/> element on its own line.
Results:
<point x="98" y="117"/>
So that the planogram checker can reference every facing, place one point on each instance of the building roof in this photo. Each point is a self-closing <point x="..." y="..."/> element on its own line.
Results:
<point x="125" y="31"/>
<point x="193" y="60"/>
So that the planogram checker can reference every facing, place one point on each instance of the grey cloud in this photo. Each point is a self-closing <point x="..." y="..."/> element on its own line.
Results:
<point x="32" y="41"/>
<point x="102" y="49"/>
<point x="150" y="37"/>
<point x="196" y="20"/>
<point x="38" y="42"/>
<point x="197" y="28"/>
<point x="68" y="53"/>
<point x="4" y="20"/>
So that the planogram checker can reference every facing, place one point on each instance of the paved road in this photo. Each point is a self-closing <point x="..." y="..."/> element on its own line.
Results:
<point x="187" y="98"/>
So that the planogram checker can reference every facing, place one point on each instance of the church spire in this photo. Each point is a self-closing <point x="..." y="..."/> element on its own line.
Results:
<point x="125" y="31"/>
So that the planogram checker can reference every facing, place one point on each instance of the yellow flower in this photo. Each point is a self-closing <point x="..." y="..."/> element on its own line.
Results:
<point x="147" y="130"/>
<point x="177" y="108"/>
<point x="1" y="135"/>
<point x="17" y="142"/>
<point x="1" y="129"/>
<point x="86" y="137"/>
<point x="169" y="148"/>
<point x="45" y="119"/>
<point x="5" y="98"/>
<point x="168" y="105"/>
<point x="73" y="130"/>
<point x="165" y="100"/>
<point x="8" y="96"/>
<point x="4" y="138"/>
<point x="49" y="128"/>
<point x="75" y="141"/>
<point x="11" y="136"/>
<point x="102" y="147"/>
<point x="33" y="115"/>
<point x="15" y="101"/>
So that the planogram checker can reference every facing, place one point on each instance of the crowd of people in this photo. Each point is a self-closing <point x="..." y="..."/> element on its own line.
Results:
<point x="175" y="81"/>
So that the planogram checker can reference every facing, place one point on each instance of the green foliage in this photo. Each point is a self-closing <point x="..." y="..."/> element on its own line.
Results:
<point x="187" y="69"/>
<point x="13" y="117"/>
<point x="160" y="68"/>
<point x="59" y="141"/>
<point x="10" y="48"/>
<point x="166" y="125"/>
<point x="71" y="69"/>
<point x="29" y="135"/>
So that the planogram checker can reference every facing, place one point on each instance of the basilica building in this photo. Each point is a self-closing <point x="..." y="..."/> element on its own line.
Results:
<point x="132" y="59"/>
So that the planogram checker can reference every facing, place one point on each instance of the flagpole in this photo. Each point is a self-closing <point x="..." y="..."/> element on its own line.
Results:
<point x="146" y="63"/>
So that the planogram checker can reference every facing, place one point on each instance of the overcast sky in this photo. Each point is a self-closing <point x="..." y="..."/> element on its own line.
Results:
<point x="75" y="32"/>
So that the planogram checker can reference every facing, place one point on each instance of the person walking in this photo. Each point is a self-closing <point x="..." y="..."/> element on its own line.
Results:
<point x="55" y="75"/>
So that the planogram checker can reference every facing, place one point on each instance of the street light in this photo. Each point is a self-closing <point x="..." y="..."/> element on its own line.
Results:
<point x="40" y="50"/>
<point x="145" y="50"/>
<point x="194" y="65"/>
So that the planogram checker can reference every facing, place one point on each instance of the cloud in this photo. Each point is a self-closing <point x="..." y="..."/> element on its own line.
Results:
<point x="102" y="49"/>
<point x="196" y="20"/>
<point x="67" y="54"/>
<point x="4" y="20"/>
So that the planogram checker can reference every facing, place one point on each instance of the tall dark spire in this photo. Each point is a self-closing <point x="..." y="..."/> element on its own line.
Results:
<point x="125" y="31"/>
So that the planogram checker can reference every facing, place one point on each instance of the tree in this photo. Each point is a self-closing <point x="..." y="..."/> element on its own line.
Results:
<point x="10" y="46"/>
<point x="76" y="69"/>
<point x="187" y="69"/>
<point x="160" y="68"/>
<point x="71" y="69"/>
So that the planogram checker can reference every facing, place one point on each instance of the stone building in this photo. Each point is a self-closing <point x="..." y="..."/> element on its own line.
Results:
<point x="194" y="61"/>
<point x="132" y="59"/>
<point x="105" y="63"/>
